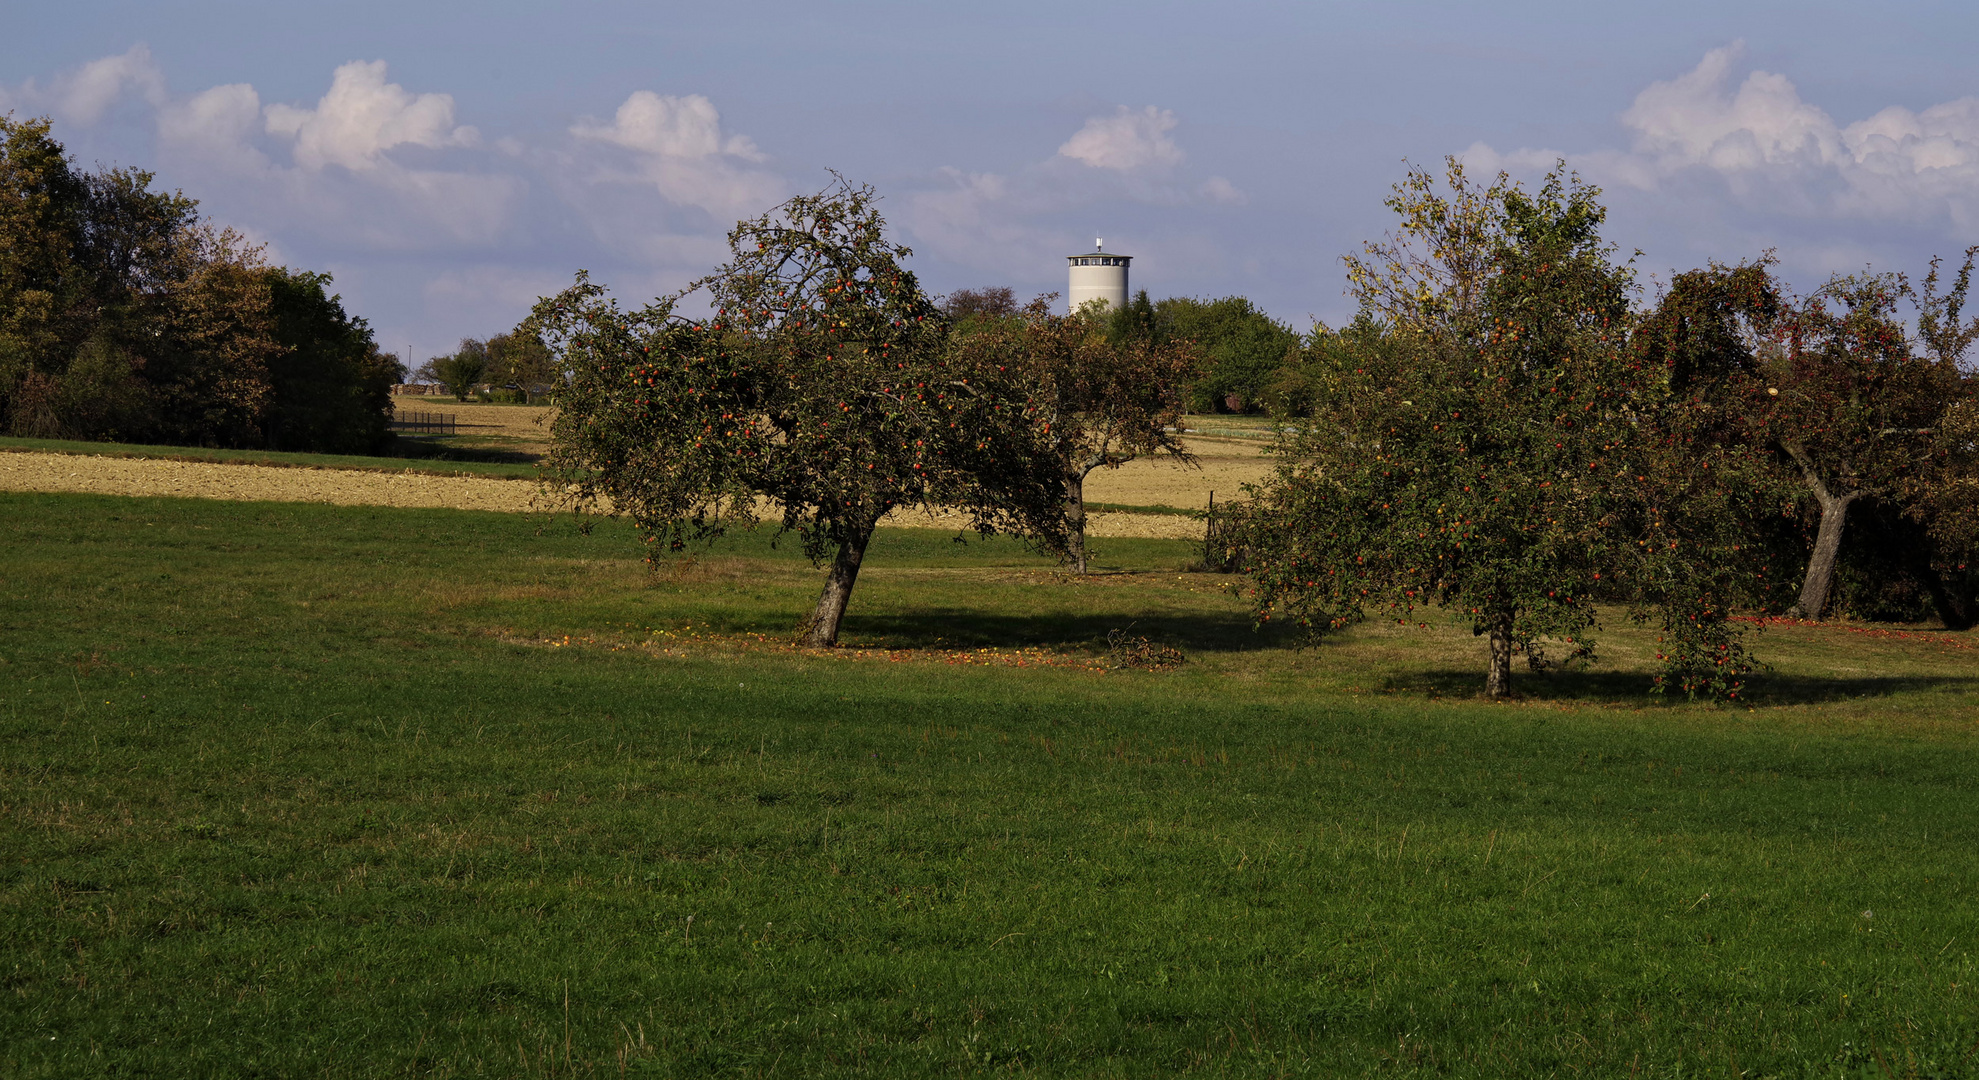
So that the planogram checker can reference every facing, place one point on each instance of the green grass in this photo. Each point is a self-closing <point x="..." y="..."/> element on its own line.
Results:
<point x="421" y="454"/>
<point x="1130" y="508"/>
<point x="1232" y="425"/>
<point x="302" y="790"/>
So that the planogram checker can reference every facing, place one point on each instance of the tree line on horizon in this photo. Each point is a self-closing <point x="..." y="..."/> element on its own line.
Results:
<point x="126" y="317"/>
<point x="1243" y="351"/>
<point x="507" y="364"/>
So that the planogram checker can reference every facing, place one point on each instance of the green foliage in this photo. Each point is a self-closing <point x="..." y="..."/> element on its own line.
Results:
<point x="461" y="369"/>
<point x="521" y="359"/>
<point x="1099" y="399"/>
<point x="1713" y="531"/>
<point x="45" y="287"/>
<point x="332" y="388"/>
<point x="1943" y="496"/>
<point x="1136" y="321"/>
<point x="1482" y="440"/>
<point x="1242" y="348"/>
<point x="122" y="316"/>
<point x="824" y="383"/>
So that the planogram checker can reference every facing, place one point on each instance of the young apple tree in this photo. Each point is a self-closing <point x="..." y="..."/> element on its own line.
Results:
<point x="1483" y="439"/>
<point x="822" y="388"/>
<point x="1100" y="402"/>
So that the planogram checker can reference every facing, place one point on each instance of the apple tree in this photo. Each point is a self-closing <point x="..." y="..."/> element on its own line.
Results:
<point x="821" y="390"/>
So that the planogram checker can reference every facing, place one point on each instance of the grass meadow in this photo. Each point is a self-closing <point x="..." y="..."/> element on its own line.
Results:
<point x="296" y="790"/>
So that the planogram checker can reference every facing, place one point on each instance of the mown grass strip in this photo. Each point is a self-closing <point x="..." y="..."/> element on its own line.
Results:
<point x="1128" y="508"/>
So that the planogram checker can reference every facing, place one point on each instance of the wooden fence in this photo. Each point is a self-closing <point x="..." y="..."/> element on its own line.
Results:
<point x="1226" y="545"/>
<point x="425" y="423"/>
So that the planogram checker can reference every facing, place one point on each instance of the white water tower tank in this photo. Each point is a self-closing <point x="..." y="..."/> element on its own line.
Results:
<point x="1097" y="275"/>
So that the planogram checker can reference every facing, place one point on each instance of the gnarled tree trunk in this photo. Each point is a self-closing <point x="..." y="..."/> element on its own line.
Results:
<point x="821" y="629"/>
<point x="1498" y="679"/>
<point x="1820" y="579"/>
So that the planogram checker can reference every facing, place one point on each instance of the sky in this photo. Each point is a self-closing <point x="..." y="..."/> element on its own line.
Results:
<point x="450" y="162"/>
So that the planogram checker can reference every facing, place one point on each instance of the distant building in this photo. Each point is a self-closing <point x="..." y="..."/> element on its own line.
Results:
<point x="1097" y="275"/>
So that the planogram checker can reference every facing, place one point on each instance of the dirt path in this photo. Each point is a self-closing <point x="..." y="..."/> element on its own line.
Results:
<point x="210" y="480"/>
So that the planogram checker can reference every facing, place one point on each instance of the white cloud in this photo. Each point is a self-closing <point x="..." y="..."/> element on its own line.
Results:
<point x="218" y="138"/>
<point x="218" y="123"/>
<point x="1126" y="140"/>
<point x="363" y="116"/>
<point x="676" y="145"/>
<point x="87" y="94"/>
<point x="1014" y="223"/>
<point x="1771" y="150"/>
<point x="83" y="95"/>
<point x="687" y="127"/>
<point x="1692" y="120"/>
<point x="1219" y="190"/>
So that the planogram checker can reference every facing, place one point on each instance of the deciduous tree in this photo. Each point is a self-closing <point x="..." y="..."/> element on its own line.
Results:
<point x="1712" y="508"/>
<point x="1855" y="409"/>
<point x="330" y="386"/>
<point x="823" y="385"/>
<point x="992" y="302"/>
<point x="1103" y="400"/>
<point x="1241" y="348"/>
<point x="521" y="358"/>
<point x="459" y="370"/>
<point x="123" y="316"/>
<point x="1476" y="441"/>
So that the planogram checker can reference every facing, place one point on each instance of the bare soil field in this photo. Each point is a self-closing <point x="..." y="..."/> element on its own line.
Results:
<point x="210" y="480"/>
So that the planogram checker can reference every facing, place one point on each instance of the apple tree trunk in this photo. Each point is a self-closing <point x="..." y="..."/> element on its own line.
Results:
<point x="821" y="629"/>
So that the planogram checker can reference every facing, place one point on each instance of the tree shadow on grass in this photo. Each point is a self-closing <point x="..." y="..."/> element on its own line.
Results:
<point x="956" y="628"/>
<point x="1633" y="687"/>
<point x="417" y="448"/>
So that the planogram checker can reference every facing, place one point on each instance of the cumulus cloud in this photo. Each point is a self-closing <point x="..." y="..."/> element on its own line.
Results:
<point x="1768" y="148"/>
<point x="228" y="141"/>
<point x="1126" y="140"/>
<point x="1016" y="222"/>
<point x="83" y="95"/>
<point x="219" y="124"/>
<point x="688" y="127"/>
<point x="676" y="145"/>
<point x="363" y="116"/>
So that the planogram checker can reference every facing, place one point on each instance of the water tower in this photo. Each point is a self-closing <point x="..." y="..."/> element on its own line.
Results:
<point x="1097" y="275"/>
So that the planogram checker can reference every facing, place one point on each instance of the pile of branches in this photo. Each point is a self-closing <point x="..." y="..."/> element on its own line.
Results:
<point x="1136" y="651"/>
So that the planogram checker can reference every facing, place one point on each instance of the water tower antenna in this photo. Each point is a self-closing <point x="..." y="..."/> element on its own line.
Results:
<point x="1097" y="275"/>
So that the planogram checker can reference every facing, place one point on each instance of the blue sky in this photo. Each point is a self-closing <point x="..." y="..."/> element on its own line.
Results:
<point x="449" y="162"/>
